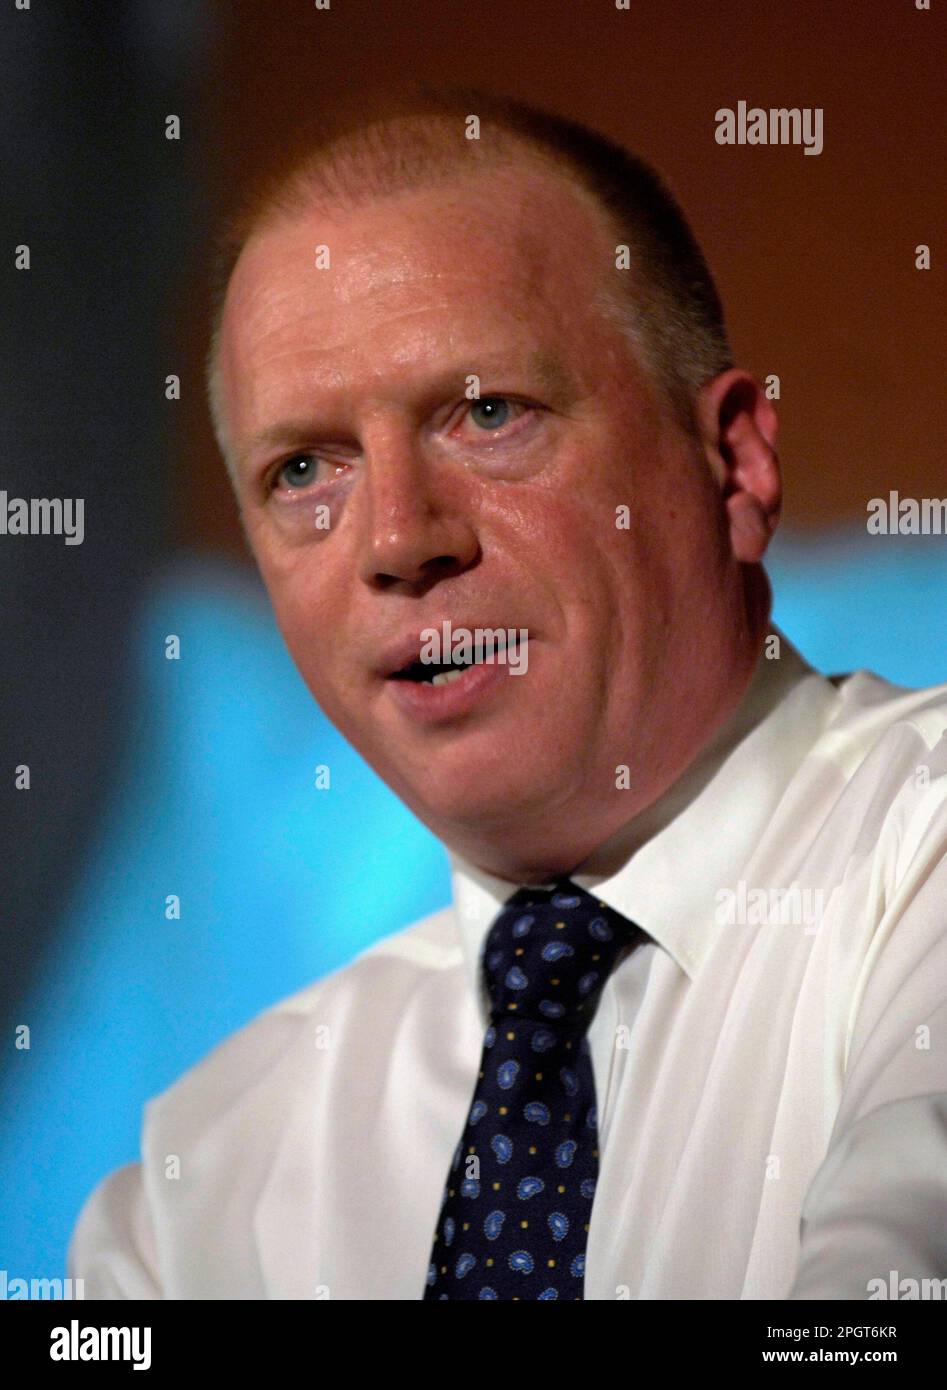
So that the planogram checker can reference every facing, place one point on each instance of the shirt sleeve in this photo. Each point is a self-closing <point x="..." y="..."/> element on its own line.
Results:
<point x="113" y="1246"/>
<point x="875" y="1215"/>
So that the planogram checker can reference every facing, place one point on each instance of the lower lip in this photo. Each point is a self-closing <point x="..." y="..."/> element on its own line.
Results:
<point x="432" y="704"/>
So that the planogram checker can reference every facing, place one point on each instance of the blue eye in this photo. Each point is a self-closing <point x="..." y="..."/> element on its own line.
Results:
<point x="493" y="411"/>
<point x="298" y="471"/>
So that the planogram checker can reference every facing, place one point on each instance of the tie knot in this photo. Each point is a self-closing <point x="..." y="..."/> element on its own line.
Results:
<point x="549" y="952"/>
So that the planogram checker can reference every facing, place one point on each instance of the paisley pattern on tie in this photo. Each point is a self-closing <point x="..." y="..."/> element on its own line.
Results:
<point x="515" y="1214"/>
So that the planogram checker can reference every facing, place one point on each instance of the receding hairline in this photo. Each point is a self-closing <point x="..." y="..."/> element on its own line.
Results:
<point x="314" y="199"/>
<point x="366" y="168"/>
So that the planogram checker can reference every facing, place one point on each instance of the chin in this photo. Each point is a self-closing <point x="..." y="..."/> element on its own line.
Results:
<point x="478" y="794"/>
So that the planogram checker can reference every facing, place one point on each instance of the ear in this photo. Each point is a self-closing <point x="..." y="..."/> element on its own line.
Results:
<point x="738" y="427"/>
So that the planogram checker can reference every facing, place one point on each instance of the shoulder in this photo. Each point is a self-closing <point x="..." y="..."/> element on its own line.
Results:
<point x="872" y="711"/>
<point x="889" y="745"/>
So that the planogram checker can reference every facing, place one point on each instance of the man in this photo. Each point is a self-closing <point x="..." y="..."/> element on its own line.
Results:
<point x="681" y="1033"/>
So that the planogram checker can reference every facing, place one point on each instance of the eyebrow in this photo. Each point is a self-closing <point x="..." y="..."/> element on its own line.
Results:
<point x="543" y="364"/>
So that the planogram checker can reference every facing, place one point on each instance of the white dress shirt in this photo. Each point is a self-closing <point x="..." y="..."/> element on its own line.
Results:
<point x="770" y="1067"/>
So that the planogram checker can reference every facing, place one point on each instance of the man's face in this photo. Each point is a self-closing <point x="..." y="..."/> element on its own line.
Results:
<point x="380" y="500"/>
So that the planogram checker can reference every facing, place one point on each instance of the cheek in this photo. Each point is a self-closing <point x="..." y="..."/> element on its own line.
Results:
<point x="293" y="581"/>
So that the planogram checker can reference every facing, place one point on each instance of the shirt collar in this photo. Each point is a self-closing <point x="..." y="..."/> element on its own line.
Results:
<point x="663" y="870"/>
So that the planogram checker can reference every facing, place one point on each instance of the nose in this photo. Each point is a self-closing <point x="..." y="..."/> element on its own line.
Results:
<point x="414" y="527"/>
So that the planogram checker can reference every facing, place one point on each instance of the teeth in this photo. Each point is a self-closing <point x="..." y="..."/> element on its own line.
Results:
<point x="443" y="677"/>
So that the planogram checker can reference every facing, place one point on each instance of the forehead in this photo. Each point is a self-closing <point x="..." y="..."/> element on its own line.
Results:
<point x="505" y="262"/>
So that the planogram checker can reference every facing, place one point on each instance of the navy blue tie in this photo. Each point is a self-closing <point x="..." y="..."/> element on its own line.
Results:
<point x="515" y="1215"/>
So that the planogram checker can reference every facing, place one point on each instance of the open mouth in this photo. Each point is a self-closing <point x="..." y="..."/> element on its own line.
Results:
<point x="432" y="674"/>
<point x="442" y="673"/>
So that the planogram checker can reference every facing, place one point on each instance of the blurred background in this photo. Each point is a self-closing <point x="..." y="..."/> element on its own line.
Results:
<point x="194" y="777"/>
